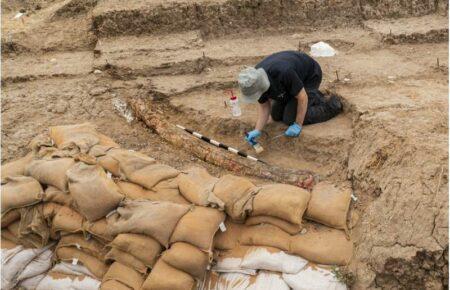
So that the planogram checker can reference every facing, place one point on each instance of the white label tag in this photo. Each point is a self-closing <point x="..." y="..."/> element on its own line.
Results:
<point x="108" y="174"/>
<point x="78" y="246"/>
<point x="222" y="227"/>
<point x="74" y="261"/>
<point x="354" y="197"/>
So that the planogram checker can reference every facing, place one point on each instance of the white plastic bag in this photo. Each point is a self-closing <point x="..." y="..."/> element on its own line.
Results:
<point x="267" y="281"/>
<point x="31" y="283"/>
<point x="68" y="283"/>
<point x="322" y="49"/>
<point x="260" y="258"/>
<point x="313" y="279"/>
<point x="71" y="269"/>
<point x="231" y="265"/>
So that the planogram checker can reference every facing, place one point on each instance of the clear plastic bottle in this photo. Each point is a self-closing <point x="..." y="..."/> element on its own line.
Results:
<point x="234" y="104"/>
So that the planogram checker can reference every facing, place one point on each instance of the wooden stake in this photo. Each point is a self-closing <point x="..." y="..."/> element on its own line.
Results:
<point x="437" y="61"/>
<point x="337" y="76"/>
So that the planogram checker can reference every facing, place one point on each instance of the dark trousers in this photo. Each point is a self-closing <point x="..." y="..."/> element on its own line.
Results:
<point x="319" y="109"/>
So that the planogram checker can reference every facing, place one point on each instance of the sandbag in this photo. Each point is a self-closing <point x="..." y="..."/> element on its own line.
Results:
<point x="58" y="281"/>
<point x="229" y="261"/>
<point x="313" y="278"/>
<point x="81" y="137"/>
<point x="229" y="238"/>
<point x="31" y="283"/>
<point x="236" y="193"/>
<point x="283" y="201"/>
<point x="286" y="226"/>
<point x="33" y="226"/>
<point x="187" y="258"/>
<point x="7" y="244"/>
<point x="123" y="274"/>
<point x="165" y="277"/>
<point x="15" y="261"/>
<point x="126" y="259"/>
<point x="98" y="229"/>
<point x="142" y="247"/>
<point x="166" y="191"/>
<point x="89" y="246"/>
<point x="231" y="281"/>
<point x="113" y="160"/>
<point x="151" y="175"/>
<point x="16" y="167"/>
<point x="323" y="245"/>
<point x="39" y="265"/>
<point x="265" y="235"/>
<point x="72" y="254"/>
<point x="53" y="194"/>
<point x="66" y="219"/>
<point x="72" y="269"/>
<point x="198" y="227"/>
<point x="113" y="285"/>
<point x="20" y="191"/>
<point x="51" y="171"/>
<point x="94" y="194"/>
<point x="196" y="185"/>
<point x="272" y="259"/>
<point x="151" y="218"/>
<point x="10" y="217"/>
<point x="329" y="205"/>
<point x="8" y="236"/>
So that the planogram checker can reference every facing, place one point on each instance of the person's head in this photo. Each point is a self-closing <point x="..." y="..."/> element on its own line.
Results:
<point x="253" y="83"/>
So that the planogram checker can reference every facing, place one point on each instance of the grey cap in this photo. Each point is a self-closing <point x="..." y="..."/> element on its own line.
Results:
<point x="253" y="83"/>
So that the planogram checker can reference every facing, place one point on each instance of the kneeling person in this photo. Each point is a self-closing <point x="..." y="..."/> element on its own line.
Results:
<point x="286" y="86"/>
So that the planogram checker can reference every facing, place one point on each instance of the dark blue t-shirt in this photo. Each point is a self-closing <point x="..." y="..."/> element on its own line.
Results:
<point x="289" y="72"/>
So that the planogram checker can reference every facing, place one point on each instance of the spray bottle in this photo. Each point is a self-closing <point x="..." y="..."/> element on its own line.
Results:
<point x="234" y="104"/>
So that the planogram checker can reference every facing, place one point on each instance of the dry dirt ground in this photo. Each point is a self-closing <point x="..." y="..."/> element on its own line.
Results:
<point x="74" y="61"/>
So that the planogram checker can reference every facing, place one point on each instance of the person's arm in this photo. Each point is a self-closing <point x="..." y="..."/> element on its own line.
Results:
<point x="263" y="115"/>
<point x="302" y="105"/>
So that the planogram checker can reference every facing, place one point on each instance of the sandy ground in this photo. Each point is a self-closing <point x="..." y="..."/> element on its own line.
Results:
<point x="391" y="142"/>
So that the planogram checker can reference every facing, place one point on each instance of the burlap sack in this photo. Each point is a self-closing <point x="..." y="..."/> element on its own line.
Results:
<point x="196" y="185"/>
<point x="282" y="224"/>
<point x="151" y="218"/>
<point x="68" y="254"/>
<point x="80" y="136"/>
<point x="236" y="193"/>
<point x="7" y="235"/>
<point x="113" y="285"/>
<point x="94" y="194"/>
<point x="187" y="258"/>
<point x="98" y="229"/>
<point x="165" y="277"/>
<point x="329" y="205"/>
<point x="20" y="191"/>
<point x="7" y="244"/>
<point x="228" y="239"/>
<point x="198" y="227"/>
<point x="323" y="245"/>
<point x="16" y="167"/>
<point x="53" y="194"/>
<point x="33" y="226"/>
<point x="91" y="246"/>
<point x="121" y="161"/>
<point x="142" y="247"/>
<point x="283" y="201"/>
<point x="10" y="217"/>
<point x="166" y="191"/>
<point x="51" y="171"/>
<point x="150" y="175"/>
<point x="265" y="235"/>
<point x="66" y="219"/>
<point x="126" y="259"/>
<point x="124" y="275"/>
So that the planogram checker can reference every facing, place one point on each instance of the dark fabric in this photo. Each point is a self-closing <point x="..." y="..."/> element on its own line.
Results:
<point x="289" y="72"/>
<point x="319" y="109"/>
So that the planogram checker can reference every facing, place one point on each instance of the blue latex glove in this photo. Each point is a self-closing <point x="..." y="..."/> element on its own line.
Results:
<point x="293" y="130"/>
<point x="251" y="136"/>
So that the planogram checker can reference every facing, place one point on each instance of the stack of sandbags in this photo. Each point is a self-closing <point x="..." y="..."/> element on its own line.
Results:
<point x="186" y="232"/>
<point x="23" y="267"/>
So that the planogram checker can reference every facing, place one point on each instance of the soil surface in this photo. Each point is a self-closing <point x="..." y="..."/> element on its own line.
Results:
<point x="74" y="61"/>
